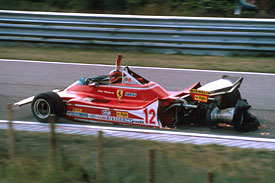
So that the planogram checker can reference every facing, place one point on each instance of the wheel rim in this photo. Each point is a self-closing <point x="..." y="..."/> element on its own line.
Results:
<point x="42" y="108"/>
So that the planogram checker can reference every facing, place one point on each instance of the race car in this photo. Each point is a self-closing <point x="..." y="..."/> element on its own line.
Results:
<point x="124" y="97"/>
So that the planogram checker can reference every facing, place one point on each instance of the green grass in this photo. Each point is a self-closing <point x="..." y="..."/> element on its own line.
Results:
<point x="127" y="161"/>
<point x="131" y="58"/>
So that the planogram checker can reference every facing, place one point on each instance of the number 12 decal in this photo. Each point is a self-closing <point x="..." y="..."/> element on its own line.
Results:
<point x="151" y="112"/>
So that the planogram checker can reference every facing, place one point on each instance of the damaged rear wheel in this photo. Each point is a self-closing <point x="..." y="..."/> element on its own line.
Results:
<point x="243" y="120"/>
<point x="250" y="123"/>
<point x="238" y="116"/>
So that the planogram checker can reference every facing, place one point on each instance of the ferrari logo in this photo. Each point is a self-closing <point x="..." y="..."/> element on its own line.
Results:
<point x="119" y="94"/>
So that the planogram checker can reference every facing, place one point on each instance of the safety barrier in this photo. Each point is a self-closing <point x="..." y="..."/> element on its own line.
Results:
<point x="168" y="34"/>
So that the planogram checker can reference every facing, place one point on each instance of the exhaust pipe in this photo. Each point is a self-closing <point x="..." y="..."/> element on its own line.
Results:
<point x="235" y="116"/>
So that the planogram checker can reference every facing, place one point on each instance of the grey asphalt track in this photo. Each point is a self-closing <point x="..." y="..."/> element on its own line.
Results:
<point x="22" y="79"/>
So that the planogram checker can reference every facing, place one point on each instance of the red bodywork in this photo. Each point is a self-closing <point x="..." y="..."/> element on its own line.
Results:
<point x="137" y="101"/>
<point x="124" y="103"/>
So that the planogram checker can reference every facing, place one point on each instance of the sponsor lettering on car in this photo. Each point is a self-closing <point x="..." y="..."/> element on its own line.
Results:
<point x="129" y="94"/>
<point x="122" y="114"/>
<point x="106" y="112"/>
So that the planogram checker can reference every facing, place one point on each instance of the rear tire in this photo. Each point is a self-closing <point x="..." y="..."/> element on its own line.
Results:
<point x="250" y="123"/>
<point x="45" y="104"/>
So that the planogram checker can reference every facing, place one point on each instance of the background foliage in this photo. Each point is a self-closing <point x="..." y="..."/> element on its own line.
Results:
<point x="216" y="8"/>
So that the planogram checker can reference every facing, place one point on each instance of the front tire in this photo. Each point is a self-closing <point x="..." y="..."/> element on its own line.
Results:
<point x="45" y="104"/>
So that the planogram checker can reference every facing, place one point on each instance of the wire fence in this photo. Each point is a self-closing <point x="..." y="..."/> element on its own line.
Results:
<point x="87" y="160"/>
<point x="55" y="157"/>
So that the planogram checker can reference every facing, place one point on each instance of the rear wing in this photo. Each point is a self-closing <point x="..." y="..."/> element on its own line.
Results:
<point x="219" y="87"/>
<point x="222" y="86"/>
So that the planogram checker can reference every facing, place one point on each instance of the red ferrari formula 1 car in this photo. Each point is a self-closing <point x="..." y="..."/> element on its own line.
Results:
<point x="124" y="97"/>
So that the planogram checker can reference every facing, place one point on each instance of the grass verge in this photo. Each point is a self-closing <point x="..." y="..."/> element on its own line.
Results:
<point x="127" y="161"/>
<point x="132" y="58"/>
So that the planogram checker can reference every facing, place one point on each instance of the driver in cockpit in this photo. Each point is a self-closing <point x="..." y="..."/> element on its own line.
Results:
<point x="115" y="76"/>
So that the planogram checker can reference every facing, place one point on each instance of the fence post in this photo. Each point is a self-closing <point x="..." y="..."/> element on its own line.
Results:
<point x="151" y="154"/>
<point x="10" y="131"/>
<point x="210" y="177"/>
<point x="100" y="157"/>
<point x="52" y="138"/>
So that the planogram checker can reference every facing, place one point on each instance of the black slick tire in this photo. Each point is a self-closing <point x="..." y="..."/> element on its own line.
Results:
<point x="251" y="123"/>
<point x="45" y="104"/>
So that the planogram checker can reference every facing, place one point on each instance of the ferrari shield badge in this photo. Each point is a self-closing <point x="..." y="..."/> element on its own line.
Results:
<point x="119" y="94"/>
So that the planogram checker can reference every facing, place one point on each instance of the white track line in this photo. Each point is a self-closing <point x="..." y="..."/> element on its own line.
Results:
<point x="155" y="68"/>
<point x="164" y="132"/>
